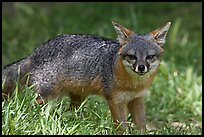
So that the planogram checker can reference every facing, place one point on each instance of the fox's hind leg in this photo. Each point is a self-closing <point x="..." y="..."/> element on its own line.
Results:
<point x="46" y="92"/>
<point x="76" y="101"/>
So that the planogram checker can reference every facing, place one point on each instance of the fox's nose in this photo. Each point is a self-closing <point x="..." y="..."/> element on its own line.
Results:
<point x="141" y="68"/>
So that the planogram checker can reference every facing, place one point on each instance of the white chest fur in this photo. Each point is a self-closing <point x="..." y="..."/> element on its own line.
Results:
<point x="125" y="97"/>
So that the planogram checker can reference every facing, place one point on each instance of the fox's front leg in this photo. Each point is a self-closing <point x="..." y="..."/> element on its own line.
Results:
<point x="119" y="114"/>
<point x="137" y="110"/>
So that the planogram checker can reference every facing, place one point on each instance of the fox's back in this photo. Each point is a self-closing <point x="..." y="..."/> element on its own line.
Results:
<point x="76" y="54"/>
<point x="71" y="59"/>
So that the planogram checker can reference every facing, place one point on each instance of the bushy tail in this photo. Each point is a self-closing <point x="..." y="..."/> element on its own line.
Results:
<point x="12" y="73"/>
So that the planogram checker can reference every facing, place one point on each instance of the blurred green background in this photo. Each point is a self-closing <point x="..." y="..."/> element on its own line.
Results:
<point x="176" y="93"/>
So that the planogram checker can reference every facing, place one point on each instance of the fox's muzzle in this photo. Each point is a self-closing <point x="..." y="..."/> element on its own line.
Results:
<point x="140" y="69"/>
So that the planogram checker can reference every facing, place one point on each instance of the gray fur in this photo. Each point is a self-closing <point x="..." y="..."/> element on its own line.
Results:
<point x="76" y="57"/>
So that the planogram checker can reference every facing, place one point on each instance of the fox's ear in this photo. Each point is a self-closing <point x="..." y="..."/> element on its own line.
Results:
<point x="159" y="35"/>
<point x="122" y="32"/>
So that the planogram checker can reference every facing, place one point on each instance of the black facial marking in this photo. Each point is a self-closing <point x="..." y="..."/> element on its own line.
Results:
<point x="150" y="57"/>
<point x="134" y="66"/>
<point x="132" y="57"/>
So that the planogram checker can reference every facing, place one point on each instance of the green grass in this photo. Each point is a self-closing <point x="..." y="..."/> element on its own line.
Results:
<point x="174" y="103"/>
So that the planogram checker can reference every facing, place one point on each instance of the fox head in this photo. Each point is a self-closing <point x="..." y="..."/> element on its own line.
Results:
<point x="141" y="53"/>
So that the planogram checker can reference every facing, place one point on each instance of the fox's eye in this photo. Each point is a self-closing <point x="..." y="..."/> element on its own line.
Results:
<point x="150" y="57"/>
<point x="132" y="57"/>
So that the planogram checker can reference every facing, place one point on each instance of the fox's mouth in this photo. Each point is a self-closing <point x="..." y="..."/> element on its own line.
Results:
<point x="141" y="73"/>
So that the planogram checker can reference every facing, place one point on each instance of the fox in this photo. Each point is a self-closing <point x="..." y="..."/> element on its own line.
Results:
<point x="120" y="70"/>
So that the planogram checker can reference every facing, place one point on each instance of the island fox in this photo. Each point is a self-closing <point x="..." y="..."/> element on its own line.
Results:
<point x="80" y="65"/>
